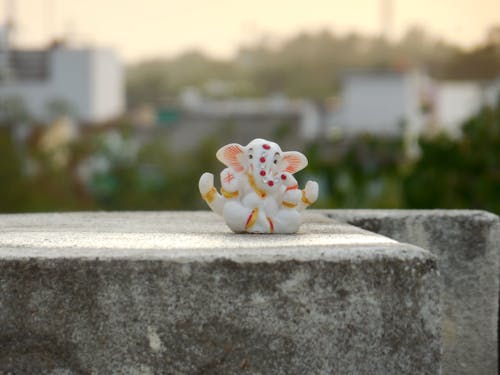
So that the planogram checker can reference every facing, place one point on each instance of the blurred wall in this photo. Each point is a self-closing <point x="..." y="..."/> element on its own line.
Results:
<point x="384" y="103"/>
<point x="89" y="81"/>
<point x="457" y="101"/>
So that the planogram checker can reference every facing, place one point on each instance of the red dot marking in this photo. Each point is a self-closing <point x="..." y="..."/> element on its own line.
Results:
<point x="283" y="176"/>
<point x="266" y="146"/>
<point x="270" y="183"/>
<point x="262" y="173"/>
<point x="262" y="159"/>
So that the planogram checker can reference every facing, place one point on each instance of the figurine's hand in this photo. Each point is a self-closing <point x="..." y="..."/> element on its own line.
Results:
<point x="206" y="183"/>
<point x="310" y="192"/>
<point x="229" y="180"/>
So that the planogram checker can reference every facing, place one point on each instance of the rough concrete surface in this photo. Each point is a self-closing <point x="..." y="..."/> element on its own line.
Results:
<point x="177" y="293"/>
<point x="467" y="244"/>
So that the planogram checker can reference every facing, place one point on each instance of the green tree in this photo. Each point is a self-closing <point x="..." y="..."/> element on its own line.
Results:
<point x="12" y="187"/>
<point x="463" y="173"/>
<point x="358" y="172"/>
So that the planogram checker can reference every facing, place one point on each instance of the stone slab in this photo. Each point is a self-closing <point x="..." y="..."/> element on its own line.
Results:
<point x="176" y="292"/>
<point x="467" y="243"/>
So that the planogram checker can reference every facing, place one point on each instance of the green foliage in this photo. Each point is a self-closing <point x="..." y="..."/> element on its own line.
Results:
<point x="451" y="173"/>
<point x="31" y="183"/>
<point x="155" y="180"/>
<point x="358" y="172"/>
<point x="463" y="173"/>
<point x="12" y="186"/>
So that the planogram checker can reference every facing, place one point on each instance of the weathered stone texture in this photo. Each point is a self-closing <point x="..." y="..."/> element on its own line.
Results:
<point x="332" y="299"/>
<point x="467" y="244"/>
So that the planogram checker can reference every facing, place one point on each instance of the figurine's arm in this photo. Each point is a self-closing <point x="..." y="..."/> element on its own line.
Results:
<point x="230" y="183"/>
<point x="210" y="194"/>
<point x="309" y="195"/>
<point x="291" y="194"/>
<point x="293" y="197"/>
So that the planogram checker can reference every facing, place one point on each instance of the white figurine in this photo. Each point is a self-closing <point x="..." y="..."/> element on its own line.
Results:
<point x="258" y="191"/>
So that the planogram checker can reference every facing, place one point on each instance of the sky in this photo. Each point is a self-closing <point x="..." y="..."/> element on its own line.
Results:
<point x="141" y="29"/>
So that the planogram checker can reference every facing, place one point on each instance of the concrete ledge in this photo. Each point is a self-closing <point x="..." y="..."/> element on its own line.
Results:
<point x="467" y="244"/>
<point x="148" y="293"/>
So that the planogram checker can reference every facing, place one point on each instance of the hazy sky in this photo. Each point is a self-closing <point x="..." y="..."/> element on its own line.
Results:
<point x="140" y="29"/>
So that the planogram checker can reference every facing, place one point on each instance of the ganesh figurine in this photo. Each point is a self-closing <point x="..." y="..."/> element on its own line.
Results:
<point x="259" y="193"/>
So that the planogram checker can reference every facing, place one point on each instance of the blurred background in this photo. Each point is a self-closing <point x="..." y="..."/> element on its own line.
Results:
<point x="121" y="105"/>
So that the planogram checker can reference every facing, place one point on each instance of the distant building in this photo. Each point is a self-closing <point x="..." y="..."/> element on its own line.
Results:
<point x="392" y="103"/>
<point x="454" y="103"/>
<point x="291" y="122"/>
<point x="381" y="102"/>
<point x="90" y="82"/>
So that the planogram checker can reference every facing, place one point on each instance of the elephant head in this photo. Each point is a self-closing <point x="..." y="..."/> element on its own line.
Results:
<point x="263" y="161"/>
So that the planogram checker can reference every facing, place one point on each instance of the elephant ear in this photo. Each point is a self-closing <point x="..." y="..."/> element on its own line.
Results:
<point x="292" y="161"/>
<point x="231" y="155"/>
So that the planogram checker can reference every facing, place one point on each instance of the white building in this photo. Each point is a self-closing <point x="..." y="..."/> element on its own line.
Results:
<point x="89" y="81"/>
<point x="389" y="103"/>
<point x="381" y="102"/>
<point x="454" y="103"/>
